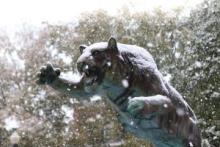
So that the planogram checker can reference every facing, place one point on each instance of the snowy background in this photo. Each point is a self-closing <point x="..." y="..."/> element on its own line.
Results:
<point x="183" y="36"/>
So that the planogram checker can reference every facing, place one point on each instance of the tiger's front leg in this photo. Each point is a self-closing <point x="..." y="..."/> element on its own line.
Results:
<point x="51" y="76"/>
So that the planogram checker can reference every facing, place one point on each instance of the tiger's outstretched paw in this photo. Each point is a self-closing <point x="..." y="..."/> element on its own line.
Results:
<point x="47" y="74"/>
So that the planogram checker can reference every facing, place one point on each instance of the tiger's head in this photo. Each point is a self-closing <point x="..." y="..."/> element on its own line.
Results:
<point x="96" y="60"/>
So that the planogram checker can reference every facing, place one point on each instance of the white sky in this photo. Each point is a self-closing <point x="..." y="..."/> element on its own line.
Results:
<point x="14" y="12"/>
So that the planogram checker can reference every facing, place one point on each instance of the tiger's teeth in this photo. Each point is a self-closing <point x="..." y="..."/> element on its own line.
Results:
<point x="89" y="80"/>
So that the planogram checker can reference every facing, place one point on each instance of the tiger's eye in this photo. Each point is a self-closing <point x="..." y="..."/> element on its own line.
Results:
<point x="95" y="53"/>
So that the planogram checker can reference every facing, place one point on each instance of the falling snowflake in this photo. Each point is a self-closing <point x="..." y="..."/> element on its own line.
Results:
<point x="125" y="83"/>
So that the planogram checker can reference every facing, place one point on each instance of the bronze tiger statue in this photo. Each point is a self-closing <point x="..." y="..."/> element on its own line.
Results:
<point x="128" y="77"/>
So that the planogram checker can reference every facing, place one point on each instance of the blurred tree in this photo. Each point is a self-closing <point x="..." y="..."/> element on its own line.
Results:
<point x="94" y="27"/>
<point x="204" y="85"/>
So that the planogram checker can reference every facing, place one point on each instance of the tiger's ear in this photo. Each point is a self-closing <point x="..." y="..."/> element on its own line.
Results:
<point x="112" y="44"/>
<point x="81" y="48"/>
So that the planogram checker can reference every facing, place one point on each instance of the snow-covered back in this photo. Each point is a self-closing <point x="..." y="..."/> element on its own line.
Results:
<point x="142" y="57"/>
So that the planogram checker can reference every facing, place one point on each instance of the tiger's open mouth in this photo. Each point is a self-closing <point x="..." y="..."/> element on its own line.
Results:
<point x="93" y="75"/>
